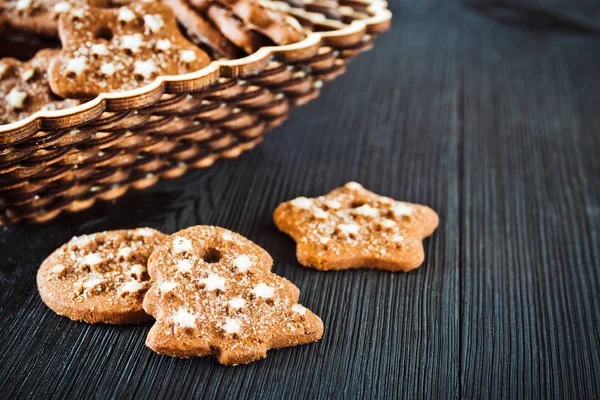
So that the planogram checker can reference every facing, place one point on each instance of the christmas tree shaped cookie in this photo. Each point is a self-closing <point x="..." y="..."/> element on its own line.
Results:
<point x="213" y="294"/>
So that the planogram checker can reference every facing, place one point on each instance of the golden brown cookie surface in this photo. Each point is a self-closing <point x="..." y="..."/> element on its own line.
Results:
<point x="40" y="16"/>
<point x="213" y="294"/>
<point x="266" y="19"/>
<point x="24" y="88"/>
<point x="100" y="278"/>
<point x="234" y="29"/>
<point x="352" y="227"/>
<point x="112" y="50"/>
<point x="190" y="15"/>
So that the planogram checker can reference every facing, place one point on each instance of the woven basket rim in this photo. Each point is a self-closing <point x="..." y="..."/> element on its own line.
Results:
<point x="187" y="83"/>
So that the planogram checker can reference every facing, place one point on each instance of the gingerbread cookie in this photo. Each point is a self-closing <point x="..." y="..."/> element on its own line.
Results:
<point x="40" y="16"/>
<point x="112" y="50"/>
<point x="268" y="20"/>
<point x="24" y="88"/>
<point x="352" y="227"/>
<point x="190" y="13"/>
<point x="100" y="278"/>
<point x="235" y="30"/>
<point x="213" y="294"/>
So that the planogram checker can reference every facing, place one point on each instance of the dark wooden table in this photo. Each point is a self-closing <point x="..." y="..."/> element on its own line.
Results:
<point x="495" y="126"/>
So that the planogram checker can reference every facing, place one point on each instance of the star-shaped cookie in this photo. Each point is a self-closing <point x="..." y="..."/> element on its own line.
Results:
<point x="352" y="227"/>
<point x="213" y="293"/>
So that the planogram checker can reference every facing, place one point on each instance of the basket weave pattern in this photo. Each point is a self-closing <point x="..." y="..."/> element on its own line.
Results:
<point x="66" y="160"/>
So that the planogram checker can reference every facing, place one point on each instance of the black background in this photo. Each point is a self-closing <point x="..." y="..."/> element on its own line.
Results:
<point x="495" y="123"/>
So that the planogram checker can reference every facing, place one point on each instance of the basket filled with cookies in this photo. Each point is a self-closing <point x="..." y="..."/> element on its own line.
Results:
<point x="98" y="97"/>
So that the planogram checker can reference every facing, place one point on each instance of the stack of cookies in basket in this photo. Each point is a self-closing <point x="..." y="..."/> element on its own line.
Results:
<point x="87" y="47"/>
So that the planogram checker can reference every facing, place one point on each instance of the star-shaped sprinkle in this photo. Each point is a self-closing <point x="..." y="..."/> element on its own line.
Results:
<point x="352" y="227"/>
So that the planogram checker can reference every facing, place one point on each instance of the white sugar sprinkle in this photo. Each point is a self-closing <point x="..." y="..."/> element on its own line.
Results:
<point x="137" y="270"/>
<point x="145" y="232"/>
<point x="213" y="282"/>
<point x="227" y="236"/>
<point x="366" y="210"/>
<point x="397" y="238"/>
<point x="153" y="22"/>
<point x="166" y="287"/>
<point x="349" y="229"/>
<point x="185" y="266"/>
<point x="184" y="318"/>
<point x="333" y="204"/>
<point x="400" y="209"/>
<point x="242" y="263"/>
<point x="93" y="283"/>
<point x="62" y="7"/>
<point x="319" y="213"/>
<point x="231" y="326"/>
<point x="23" y="4"/>
<point x="297" y="308"/>
<point x="181" y="245"/>
<point x="163" y="44"/>
<point x="132" y="286"/>
<point x="237" y="303"/>
<point x="57" y="269"/>
<point x="388" y="223"/>
<point x="132" y="42"/>
<point x="145" y="68"/>
<point x="302" y="202"/>
<point x="126" y="15"/>
<point x="16" y="98"/>
<point x="80" y="241"/>
<point x="27" y="75"/>
<point x="264" y="291"/>
<point x="100" y="49"/>
<point x="125" y="252"/>
<point x="108" y="69"/>
<point x="324" y="239"/>
<point x="77" y="65"/>
<point x="92" y="259"/>
<point x="187" y="55"/>
<point x="353" y="186"/>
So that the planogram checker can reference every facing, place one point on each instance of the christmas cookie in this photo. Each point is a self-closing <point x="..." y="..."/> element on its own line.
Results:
<point x="213" y="294"/>
<point x="352" y="227"/>
<point x="100" y="278"/>
<point x="112" y="50"/>
<point x="266" y="19"/>
<point x="235" y="30"/>
<point x="40" y="16"/>
<point x="190" y="15"/>
<point x="24" y="88"/>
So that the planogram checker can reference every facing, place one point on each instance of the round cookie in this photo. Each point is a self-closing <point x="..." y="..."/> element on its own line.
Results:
<point x="213" y="294"/>
<point x="100" y="278"/>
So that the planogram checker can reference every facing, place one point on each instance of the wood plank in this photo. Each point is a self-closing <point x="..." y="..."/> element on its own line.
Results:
<point x="530" y="273"/>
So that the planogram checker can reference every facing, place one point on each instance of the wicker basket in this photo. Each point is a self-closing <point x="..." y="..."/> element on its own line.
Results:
<point x="66" y="160"/>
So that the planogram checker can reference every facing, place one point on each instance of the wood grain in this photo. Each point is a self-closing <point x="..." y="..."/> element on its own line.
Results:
<point x="497" y="129"/>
